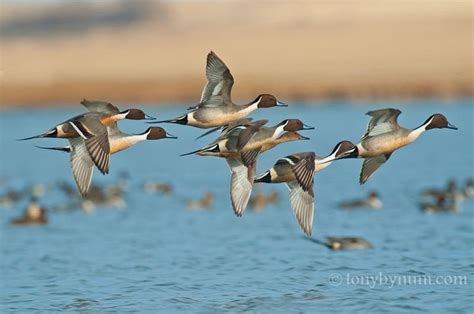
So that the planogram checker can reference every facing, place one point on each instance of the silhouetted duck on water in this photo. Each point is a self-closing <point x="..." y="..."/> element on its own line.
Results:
<point x="204" y="203"/>
<point x="153" y="187"/>
<point x="442" y="205"/>
<point x="34" y="214"/>
<point x="260" y="200"/>
<point x="345" y="243"/>
<point x="10" y="198"/>
<point x="373" y="201"/>
<point x="451" y="192"/>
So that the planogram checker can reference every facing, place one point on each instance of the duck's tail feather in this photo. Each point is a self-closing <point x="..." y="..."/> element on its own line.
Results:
<point x="49" y="133"/>
<point x="66" y="149"/>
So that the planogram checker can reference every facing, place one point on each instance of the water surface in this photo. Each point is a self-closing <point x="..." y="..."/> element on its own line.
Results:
<point x="156" y="254"/>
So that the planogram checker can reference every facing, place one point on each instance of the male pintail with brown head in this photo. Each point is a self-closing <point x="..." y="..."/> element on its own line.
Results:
<point x="216" y="108"/>
<point x="81" y="163"/>
<point x="297" y="171"/>
<point x="384" y="136"/>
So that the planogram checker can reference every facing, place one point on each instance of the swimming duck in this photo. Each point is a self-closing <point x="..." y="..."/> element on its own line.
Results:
<point x="204" y="203"/>
<point x="373" y="201"/>
<point x="346" y="243"/>
<point x="260" y="199"/>
<point x="154" y="187"/>
<point x="216" y="108"/>
<point x="241" y="146"/>
<point x="450" y="189"/>
<point x="10" y="198"/>
<point x="442" y="205"/>
<point x="297" y="171"/>
<point x="81" y="163"/>
<point x="34" y="214"/>
<point x="384" y="136"/>
<point x="469" y="188"/>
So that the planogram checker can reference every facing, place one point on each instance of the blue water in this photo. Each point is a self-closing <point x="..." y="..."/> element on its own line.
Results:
<point x="157" y="255"/>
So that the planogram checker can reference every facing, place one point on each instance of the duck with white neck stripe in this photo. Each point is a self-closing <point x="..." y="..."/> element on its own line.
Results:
<point x="242" y="145"/>
<point x="81" y="163"/>
<point x="384" y="136"/>
<point x="216" y="108"/>
<point x="297" y="171"/>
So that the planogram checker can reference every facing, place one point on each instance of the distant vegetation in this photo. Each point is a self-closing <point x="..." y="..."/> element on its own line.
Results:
<point x="63" y="19"/>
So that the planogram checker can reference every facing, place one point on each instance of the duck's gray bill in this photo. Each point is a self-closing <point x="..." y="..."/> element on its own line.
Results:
<point x="308" y="127"/>
<point x="452" y="127"/>
<point x="168" y="135"/>
<point x="148" y="117"/>
<point x="281" y="104"/>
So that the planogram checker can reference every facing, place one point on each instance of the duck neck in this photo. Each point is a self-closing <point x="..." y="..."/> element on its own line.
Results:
<point x="324" y="162"/>
<point x="415" y="133"/>
<point x="109" y="119"/>
<point x="124" y="142"/>
<point x="278" y="131"/>
<point x="250" y="107"/>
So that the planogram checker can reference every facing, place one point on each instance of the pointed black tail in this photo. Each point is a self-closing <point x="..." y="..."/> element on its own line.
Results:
<point x="50" y="133"/>
<point x="179" y="120"/>
<point x="66" y="149"/>
<point x="264" y="178"/>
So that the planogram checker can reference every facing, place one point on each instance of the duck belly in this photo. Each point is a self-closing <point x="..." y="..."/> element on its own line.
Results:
<point x="381" y="145"/>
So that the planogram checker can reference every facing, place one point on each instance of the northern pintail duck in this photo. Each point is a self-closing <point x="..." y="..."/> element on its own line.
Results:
<point x="383" y="136"/>
<point x="241" y="146"/>
<point x="435" y="192"/>
<point x="9" y="198"/>
<point x="216" y="107"/>
<point x="91" y="127"/>
<point x="442" y="205"/>
<point x="88" y="129"/>
<point x="451" y="192"/>
<point x="34" y="214"/>
<point x="346" y="243"/>
<point x="155" y="187"/>
<point x="469" y="188"/>
<point x="258" y="202"/>
<point x="81" y="162"/>
<point x="110" y="114"/>
<point x="204" y="203"/>
<point x="372" y="201"/>
<point x="297" y="171"/>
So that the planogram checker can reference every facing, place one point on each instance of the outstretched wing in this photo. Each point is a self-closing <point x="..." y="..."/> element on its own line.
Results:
<point x="81" y="164"/>
<point x="241" y="184"/>
<point x="302" y="203"/>
<point x="96" y="139"/>
<point x="301" y="192"/>
<point x="100" y="106"/>
<point x="219" y="82"/>
<point x="383" y="121"/>
<point x="304" y="172"/>
<point x="371" y="165"/>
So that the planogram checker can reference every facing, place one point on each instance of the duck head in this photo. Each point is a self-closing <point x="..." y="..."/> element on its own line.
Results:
<point x="292" y="125"/>
<point x="136" y="114"/>
<point x="438" y="121"/>
<point x="345" y="149"/>
<point x="156" y="133"/>
<point x="267" y="101"/>
<point x="291" y="136"/>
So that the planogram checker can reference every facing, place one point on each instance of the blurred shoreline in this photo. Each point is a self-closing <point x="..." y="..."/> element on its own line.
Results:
<point x="154" y="51"/>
